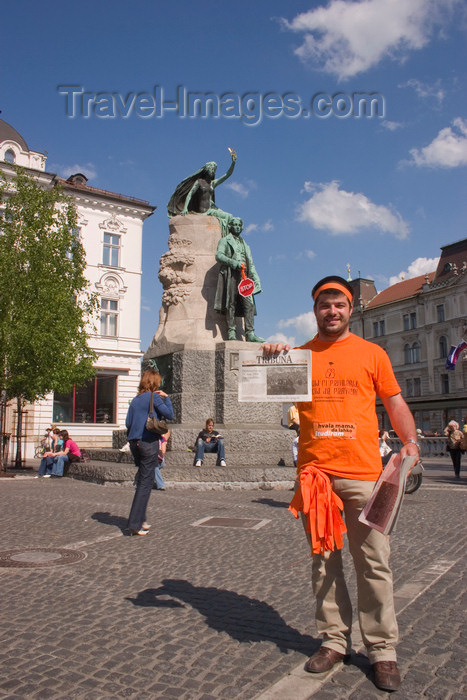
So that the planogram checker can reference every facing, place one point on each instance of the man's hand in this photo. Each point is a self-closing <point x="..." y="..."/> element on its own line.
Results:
<point x="274" y="348"/>
<point x="403" y="423"/>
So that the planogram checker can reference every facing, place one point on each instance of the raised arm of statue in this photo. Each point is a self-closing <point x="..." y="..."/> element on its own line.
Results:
<point x="229" y="172"/>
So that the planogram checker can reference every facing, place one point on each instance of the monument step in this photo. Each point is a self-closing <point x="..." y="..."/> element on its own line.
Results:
<point x="207" y="477"/>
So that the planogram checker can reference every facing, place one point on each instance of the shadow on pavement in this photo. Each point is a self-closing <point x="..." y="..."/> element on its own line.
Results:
<point x="107" y="519"/>
<point x="271" y="502"/>
<point x="244" y="619"/>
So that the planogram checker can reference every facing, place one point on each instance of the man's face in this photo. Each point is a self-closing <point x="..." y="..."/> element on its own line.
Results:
<point x="332" y="311"/>
<point x="236" y="227"/>
<point x="210" y="427"/>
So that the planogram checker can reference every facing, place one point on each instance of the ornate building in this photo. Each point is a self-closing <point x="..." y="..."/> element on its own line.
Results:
<point x="416" y="321"/>
<point x="111" y="227"/>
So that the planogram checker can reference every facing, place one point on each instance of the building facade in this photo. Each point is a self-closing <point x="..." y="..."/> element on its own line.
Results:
<point x="417" y="321"/>
<point x="110" y="226"/>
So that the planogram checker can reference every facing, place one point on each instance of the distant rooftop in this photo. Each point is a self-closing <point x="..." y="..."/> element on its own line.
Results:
<point x="401" y="290"/>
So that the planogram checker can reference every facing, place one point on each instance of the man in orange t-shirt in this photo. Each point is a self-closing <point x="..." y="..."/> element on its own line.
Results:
<point x="339" y="437"/>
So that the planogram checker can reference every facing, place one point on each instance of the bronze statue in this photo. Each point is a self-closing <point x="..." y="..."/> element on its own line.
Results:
<point x="195" y="194"/>
<point x="233" y="254"/>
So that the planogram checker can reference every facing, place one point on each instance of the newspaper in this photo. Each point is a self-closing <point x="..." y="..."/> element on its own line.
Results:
<point x="283" y="377"/>
<point x="382" y="510"/>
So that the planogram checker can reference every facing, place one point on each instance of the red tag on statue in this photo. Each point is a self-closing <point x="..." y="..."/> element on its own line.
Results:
<point x="246" y="286"/>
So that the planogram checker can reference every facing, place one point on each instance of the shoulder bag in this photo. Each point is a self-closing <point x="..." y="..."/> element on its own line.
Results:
<point x="153" y="424"/>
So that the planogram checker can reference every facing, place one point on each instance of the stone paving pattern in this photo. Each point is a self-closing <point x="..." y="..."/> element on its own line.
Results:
<point x="198" y="613"/>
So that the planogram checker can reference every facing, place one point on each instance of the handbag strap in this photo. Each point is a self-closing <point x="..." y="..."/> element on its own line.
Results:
<point x="151" y="405"/>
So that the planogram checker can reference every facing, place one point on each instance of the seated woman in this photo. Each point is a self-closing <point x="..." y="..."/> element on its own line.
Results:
<point x="47" y="461"/>
<point x="69" y="453"/>
<point x="210" y="440"/>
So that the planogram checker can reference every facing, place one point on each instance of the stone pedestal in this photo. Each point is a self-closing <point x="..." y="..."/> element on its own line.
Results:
<point x="198" y="365"/>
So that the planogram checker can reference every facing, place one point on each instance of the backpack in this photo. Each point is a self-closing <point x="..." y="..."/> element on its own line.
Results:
<point x="454" y="440"/>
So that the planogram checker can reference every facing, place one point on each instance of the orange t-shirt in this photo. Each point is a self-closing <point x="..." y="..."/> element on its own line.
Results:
<point x="339" y="427"/>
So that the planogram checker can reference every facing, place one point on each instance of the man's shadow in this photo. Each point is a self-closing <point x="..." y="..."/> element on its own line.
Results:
<point x="244" y="619"/>
<point x="107" y="519"/>
<point x="271" y="502"/>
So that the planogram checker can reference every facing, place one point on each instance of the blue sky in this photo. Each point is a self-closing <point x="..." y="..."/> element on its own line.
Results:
<point x="379" y="193"/>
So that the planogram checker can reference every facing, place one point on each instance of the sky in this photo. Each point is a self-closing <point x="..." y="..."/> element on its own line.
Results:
<point x="348" y="118"/>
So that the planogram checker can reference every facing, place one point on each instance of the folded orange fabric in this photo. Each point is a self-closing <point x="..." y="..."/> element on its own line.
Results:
<point x="322" y="508"/>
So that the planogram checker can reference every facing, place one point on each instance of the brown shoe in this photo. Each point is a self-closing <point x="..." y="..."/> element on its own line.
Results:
<point x="387" y="676"/>
<point x="323" y="660"/>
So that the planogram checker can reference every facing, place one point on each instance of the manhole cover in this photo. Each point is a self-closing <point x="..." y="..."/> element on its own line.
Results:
<point x="245" y="523"/>
<point x="39" y="556"/>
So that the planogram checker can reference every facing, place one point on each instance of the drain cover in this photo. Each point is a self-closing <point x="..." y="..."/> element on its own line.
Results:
<point x="39" y="556"/>
<point x="245" y="523"/>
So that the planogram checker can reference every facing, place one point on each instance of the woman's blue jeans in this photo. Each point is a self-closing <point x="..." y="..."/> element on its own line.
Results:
<point x="145" y="456"/>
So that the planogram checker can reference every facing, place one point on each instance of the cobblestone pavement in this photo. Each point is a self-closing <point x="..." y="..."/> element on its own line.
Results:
<point x="207" y="613"/>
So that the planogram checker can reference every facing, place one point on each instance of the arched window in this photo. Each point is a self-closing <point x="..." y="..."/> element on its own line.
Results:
<point x="407" y="354"/>
<point x="443" y="346"/>
<point x="9" y="156"/>
<point x="416" y="352"/>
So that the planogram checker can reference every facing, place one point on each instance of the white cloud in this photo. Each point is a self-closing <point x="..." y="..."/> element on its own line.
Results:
<point x="304" y="324"/>
<point x="391" y="126"/>
<point x="343" y="213"/>
<point x="242" y="190"/>
<point x="281" y="338"/>
<point x="267" y="226"/>
<point x="420" y="266"/>
<point x="425" y="90"/>
<point x="310" y="254"/>
<point x="447" y="150"/>
<point x="345" y="38"/>
<point x="87" y="169"/>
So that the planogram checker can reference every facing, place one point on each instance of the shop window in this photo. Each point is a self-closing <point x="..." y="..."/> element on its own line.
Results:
<point x="92" y="403"/>
<point x="111" y="250"/>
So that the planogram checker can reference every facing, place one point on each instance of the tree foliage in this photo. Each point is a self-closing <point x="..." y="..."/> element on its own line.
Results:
<point x="45" y="302"/>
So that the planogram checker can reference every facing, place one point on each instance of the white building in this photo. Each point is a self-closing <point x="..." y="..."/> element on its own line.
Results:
<point x="111" y="227"/>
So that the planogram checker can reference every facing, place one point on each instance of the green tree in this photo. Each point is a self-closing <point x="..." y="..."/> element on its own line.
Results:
<point x="45" y="303"/>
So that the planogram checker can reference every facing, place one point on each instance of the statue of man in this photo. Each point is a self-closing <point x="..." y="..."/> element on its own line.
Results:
<point x="195" y="194"/>
<point x="233" y="254"/>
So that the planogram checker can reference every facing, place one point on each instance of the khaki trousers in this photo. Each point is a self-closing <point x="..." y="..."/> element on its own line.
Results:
<point x="370" y="553"/>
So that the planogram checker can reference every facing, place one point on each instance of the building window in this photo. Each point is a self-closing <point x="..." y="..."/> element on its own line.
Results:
<point x="375" y="329"/>
<point x="445" y="383"/>
<point x="412" y="354"/>
<point x="443" y="347"/>
<point x="92" y="403"/>
<point x="417" y="386"/>
<point x="440" y="313"/>
<point x="9" y="156"/>
<point x="381" y="327"/>
<point x="413" y="320"/>
<point x="109" y="316"/>
<point x="111" y="253"/>
<point x="408" y="387"/>
<point x="406" y="322"/>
